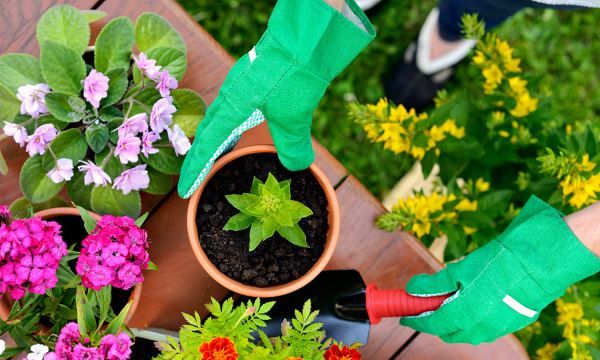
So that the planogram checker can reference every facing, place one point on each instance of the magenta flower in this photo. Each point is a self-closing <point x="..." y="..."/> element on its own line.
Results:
<point x="133" y="179"/>
<point x="165" y="83"/>
<point x="147" y="66"/>
<point x="180" y="142"/>
<point x="93" y="174"/>
<point x="62" y="172"/>
<point x="95" y="87"/>
<point x="134" y="125"/>
<point x="17" y="132"/>
<point x="128" y="148"/>
<point x="148" y="139"/>
<point x="4" y="215"/>
<point x="162" y="115"/>
<point x="39" y="140"/>
<point x="33" y="99"/>
<point x="115" y="347"/>
<point x="70" y="346"/>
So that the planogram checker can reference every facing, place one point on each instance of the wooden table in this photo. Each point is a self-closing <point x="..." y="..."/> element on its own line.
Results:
<point x="388" y="259"/>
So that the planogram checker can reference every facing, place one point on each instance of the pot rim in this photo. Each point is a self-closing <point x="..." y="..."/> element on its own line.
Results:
<point x="272" y="291"/>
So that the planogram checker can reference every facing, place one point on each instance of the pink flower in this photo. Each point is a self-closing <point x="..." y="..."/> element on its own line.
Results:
<point x="134" y="125"/>
<point x="162" y="115"/>
<point x="147" y="66"/>
<point x="128" y="148"/>
<point x="93" y="174"/>
<point x="62" y="172"/>
<point x="82" y="352"/>
<point x="95" y="87"/>
<point x="115" y="347"/>
<point x="17" y="132"/>
<point x="33" y="99"/>
<point x="165" y="83"/>
<point x="133" y="179"/>
<point x="4" y="215"/>
<point x="148" y="139"/>
<point x="180" y="142"/>
<point x="39" y="140"/>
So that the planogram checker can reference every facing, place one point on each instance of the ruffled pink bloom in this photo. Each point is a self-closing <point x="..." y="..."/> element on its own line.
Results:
<point x="4" y="215"/>
<point x="62" y="172"/>
<point x="33" y="99"/>
<point x="165" y="83"/>
<point x="115" y="347"/>
<point x="134" y="125"/>
<point x="148" y="139"/>
<point x="133" y="179"/>
<point x="82" y="352"/>
<point x="16" y="131"/>
<point x="39" y="140"/>
<point x="162" y="114"/>
<point x="95" y="87"/>
<point x="128" y="148"/>
<point x="147" y="66"/>
<point x="180" y="142"/>
<point x="93" y="174"/>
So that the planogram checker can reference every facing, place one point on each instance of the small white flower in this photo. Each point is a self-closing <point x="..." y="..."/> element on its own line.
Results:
<point x="2" y="346"/>
<point x="180" y="142"/>
<point x="37" y="352"/>
<point x="62" y="172"/>
<point x="33" y="99"/>
<point x="17" y="132"/>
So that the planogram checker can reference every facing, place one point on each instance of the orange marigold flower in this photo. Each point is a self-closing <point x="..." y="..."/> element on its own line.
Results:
<point x="345" y="353"/>
<point x="219" y="348"/>
<point x="294" y="358"/>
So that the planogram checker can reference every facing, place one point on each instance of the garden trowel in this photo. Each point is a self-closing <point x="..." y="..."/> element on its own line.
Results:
<point x="347" y="307"/>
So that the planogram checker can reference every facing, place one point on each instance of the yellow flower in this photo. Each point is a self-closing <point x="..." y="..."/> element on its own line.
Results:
<point x="417" y="152"/>
<point x="466" y="205"/>
<point x="586" y="164"/>
<point x="482" y="185"/>
<point x="568" y="129"/>
<point x="469" y="230"/>
<point x="479" y="57"/>
<point x="546" y="352"/>
<point x="421" y="229"/>
<point x="512" y="65"/>
<point x="493" y="78"/>
<point x="503" y="133"/>
<point x="568" y="312"/>
<point x="525" y="105"/>
<point x="517" y="85"/>
<point x="498" y="117"/>
<point x="449" y="126"/>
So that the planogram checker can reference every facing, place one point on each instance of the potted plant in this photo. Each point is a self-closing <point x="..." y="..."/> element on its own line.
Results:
<point x="259" y="229"/>
<point x="64" y="263"/>
<point x="106" y="122"/>
<point x="230" y="332"/>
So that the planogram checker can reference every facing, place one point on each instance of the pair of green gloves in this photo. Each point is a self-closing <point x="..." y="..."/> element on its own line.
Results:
<point x="498" y="288"/>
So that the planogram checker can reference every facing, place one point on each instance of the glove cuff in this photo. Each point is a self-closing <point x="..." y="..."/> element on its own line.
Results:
<point x="318" y="36"/>
<point x="547" y="248"/>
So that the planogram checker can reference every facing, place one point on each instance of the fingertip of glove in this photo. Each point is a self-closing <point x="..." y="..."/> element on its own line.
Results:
<point x="296" y="163"/>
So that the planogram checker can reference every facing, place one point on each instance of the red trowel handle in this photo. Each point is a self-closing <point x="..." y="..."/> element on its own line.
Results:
<point x="398" y="303"/>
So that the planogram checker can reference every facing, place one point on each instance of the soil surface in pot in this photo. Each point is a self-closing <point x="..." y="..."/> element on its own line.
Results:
<point x="144" y="349"/>
<point x="276" y="261"/>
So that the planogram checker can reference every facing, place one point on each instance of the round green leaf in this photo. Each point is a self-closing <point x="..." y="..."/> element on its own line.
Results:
<point x="165" y="161"/>
<point x="36" y="186"/>
<point x="147" y="97"/>
<point x="190" y="110"/>
<point x="93" y="15"/>
<point x="106" y="200"/>
<point x="110" y="113"/>
<point x="79" y="192"/>
<point x="152" y="30"/>
<point x="66" y="25"/>
<point x="160" y="184"/>
<point x="113" y="45"/>
<point x="113" y="125"/>
<point x="9" y="104"/>
<point x="62" y="67"/>
<point x="20" y="207"/>
<point x="170" y="59"/>
<point x="68" y="144"/>
<point x="97" y="137"/>
<point x="46" y="119"/>
<point x="112" y="166"/>
<point x="19" y="69"/>
<point x="65" y="107"/>
<point x="117" y="85"/>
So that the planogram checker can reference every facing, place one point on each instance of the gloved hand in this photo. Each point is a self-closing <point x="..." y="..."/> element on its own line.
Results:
<point x="502" y="286"/>
<point x="307" y="43"/>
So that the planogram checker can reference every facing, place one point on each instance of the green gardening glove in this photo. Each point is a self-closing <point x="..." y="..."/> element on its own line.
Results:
<point x="282" y="79"/>
<point x="502" y="286"/>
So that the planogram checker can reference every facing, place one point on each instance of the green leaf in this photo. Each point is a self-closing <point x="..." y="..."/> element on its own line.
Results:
<point x="20" y="207"/>
<point x="106" y="200"/>
<point x="3" y="165"/>
<point x="467" y="147"/>
<point x="239" y="222"/>
<point x="117" y="86"/>
<point x="96" y="136"/>
<point x="140" y="221"/>
<point x="255" y="235"/>
<point x="88" y="220"/>
<point x="255" y="183"/>
<point x="68" y="144"/>
<point x="42" y="120"/>
<point x="269" y="226"/>
<point x="169" y="58"/>
<point x="62" y="68"/>
<point x="117" y="323"/>
<point x="65" y="107"/>
<point x="109" y="114"/>
<point x="165" y="161"/>
<point x="114" y="44"/>
<point x="294" y="234"/>
<point x="152" y="31"/>
<point x="146" y="97"/>
<point x="19" y="69"/>
<point x="65" y="25"/>
<point x="85" y="313"/>
<point x="9" y="104"/>
<point x="160" y="184"/>
<point x="241" y="202"/>
<point x="112" y="166"/>
<point x="152" y="266"/>
<point x="283" y="218"/>
<point x="495" y="203"/>
<point x="297" y="210"/>
<point x="93" y="15"/>
<point x="35" y="184"/>
<point x="457" y="242"/>
<point x="79" y="192"/>
<point x="103" y="298"/>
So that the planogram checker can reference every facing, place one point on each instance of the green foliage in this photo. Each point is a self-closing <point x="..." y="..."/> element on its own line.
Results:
<point x="19" y="69"/>
<point x="19" y="208"/>
<point x="304" y="336"/>
<point x="190" y="110"/>
<point x="152" y="31"/>
<point x="165" y="161"/>
<point x="62" y="67"/>
<point x="106" y="200"/>
<point x="172" y="59"/>
<point x="64" y="24"/>
<point x="266" y="209"/>
<point x="113" y="45"/>
<point x="36" y="186"/>
<point x="69" y="144"/>
<point x="97" y="137"/>
<point x="65" y="107"/>
<point x="9" y="104"/>
<point x="93" y="15"/>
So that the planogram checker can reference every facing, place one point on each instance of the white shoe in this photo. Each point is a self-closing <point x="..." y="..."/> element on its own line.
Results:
<point x="367" y="4"/>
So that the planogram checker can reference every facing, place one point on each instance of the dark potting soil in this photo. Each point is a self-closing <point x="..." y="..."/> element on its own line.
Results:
<point x="143" y="349"/>
<point x="276" y="261"/>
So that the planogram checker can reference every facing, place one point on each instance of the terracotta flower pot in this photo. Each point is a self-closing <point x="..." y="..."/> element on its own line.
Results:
<point x="49" y="214"/>
<point x="272" y="291"/>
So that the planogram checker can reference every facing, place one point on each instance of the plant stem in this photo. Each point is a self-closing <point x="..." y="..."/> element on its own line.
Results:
<point x="105" y="160"/>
